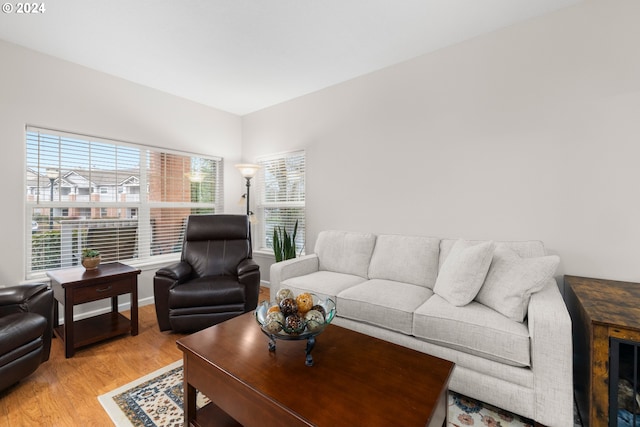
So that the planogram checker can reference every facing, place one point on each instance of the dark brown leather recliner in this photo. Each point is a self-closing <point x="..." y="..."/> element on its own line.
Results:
<point x="26" y="327"/>
<point x="216" y="278"/>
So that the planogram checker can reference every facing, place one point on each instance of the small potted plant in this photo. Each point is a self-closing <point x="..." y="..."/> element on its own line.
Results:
<point x="90" y="258"/>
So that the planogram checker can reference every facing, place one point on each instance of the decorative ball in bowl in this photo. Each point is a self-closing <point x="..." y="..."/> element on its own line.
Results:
<point x="295" y="317"/>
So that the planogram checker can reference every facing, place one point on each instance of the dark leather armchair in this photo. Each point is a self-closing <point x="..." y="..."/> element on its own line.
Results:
<point x="26" y="327"/>
<point x="216" y="278"/>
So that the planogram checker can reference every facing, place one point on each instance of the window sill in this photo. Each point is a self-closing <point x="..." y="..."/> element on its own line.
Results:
<point x="263" y="253"/>
<point x="268" y="253"/>
<point x="146" y="265"/>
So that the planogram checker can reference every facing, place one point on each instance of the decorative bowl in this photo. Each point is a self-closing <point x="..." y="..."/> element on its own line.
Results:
<point x="304" y="329"/>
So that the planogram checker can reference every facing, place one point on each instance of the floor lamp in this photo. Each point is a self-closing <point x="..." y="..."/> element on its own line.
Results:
<point x="248" y="171"/>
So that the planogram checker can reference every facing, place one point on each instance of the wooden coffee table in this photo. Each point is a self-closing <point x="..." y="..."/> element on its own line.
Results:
<point x="356" y="380"/>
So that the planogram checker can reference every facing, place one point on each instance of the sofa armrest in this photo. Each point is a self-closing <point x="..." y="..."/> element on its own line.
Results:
<point x="551" y="356"/>
<point x="281" y="271"/>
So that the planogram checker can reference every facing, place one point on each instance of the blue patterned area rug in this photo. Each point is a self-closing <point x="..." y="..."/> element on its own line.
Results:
<point x="155" y="400"/>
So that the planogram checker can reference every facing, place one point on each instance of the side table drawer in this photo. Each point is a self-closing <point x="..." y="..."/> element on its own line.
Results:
<point x="102" y="290"/>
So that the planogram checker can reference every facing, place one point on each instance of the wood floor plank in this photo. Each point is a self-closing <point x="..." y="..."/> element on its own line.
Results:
<point x="64" y="392"/>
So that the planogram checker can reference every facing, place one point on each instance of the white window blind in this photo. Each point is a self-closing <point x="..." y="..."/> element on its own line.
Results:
<point x="128" y="201"/>
<point x="281" y="197"/>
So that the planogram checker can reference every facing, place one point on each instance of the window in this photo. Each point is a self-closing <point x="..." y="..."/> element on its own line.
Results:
<point x="281" y="197"/>
<point x="128" y="201"/>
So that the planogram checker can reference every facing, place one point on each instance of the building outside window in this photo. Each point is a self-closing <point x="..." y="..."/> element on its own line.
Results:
<point x="128" y="201"/>
<point x="281" y="197"/>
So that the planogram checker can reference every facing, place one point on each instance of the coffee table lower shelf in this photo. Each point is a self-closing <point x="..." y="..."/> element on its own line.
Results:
<point x="211" y="415"/>
<point x="97" y="328"/>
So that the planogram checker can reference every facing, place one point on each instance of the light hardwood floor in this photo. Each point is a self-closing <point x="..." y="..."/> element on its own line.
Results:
<point x="64" y="392"/>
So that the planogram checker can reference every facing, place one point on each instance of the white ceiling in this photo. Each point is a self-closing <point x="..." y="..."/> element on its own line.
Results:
<point x="244" y="55"/>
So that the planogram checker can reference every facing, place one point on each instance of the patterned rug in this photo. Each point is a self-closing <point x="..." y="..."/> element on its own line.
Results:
<point x="463" y="411"/>
<point x="155" y="400"/>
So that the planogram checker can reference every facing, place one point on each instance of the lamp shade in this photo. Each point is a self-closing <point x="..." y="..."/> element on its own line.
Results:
<point x="52" y="173"/>
<point x="248" y="170"/>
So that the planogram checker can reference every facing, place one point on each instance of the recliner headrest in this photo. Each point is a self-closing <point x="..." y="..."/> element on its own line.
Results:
<point x="217" y="227"/>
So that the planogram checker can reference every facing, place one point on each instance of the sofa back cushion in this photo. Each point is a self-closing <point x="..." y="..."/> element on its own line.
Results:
<point x="408" y="259"/>
<point x="345" y="252"/>
<point x="463" y="272"/>
<point x="512" y="280"/>
<point x="524" y="248"/>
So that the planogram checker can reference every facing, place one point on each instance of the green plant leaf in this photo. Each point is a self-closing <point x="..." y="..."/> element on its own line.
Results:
<point x="284" y="244"/>
<point x="277" y="248"/>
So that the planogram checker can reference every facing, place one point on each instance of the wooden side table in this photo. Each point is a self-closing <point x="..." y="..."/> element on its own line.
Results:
<point x="72" y="286"/>
<point x="600" y="310"/>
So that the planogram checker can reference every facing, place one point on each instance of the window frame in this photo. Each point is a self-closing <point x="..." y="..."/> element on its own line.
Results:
<point x="142" y="206"/>
<point x="265" y="230"/>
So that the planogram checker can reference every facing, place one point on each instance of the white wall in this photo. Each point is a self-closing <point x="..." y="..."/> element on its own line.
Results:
<point x="40" y="90"/>
<point x="531" y="132"/>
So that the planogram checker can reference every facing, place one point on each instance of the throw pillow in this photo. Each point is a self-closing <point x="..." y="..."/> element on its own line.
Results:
<point x="463" y="272"/>
<point x="512" y="280"/>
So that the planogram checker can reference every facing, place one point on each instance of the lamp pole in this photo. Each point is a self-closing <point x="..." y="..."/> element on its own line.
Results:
<point x="248" y="186"/>
<point x="51" y="180"/>
<point x="52" y="174"/>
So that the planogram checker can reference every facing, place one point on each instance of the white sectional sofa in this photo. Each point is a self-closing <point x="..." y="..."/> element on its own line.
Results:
<point x="492" y="308"/>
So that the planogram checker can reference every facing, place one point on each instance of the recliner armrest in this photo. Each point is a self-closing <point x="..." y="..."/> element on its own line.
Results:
<point x="178" y="271"/>
<point x="164" y="280"/>
<point x="249" y="276"/>
<point x="246" y="266"/>
<point x="14" y="295"/>
<point x="31" y="298"/>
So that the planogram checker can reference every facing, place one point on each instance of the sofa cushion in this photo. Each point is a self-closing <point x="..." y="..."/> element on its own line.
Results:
<point x="322" y="283"/>
<point x="408" y="259"/>
<point x="463" y="272"/>
<point x="474" y="329"/>
<point x="512" y="279"/>
<point x="524" y="248"/>
<point x="345" y="252"/>
<point x="383" y="303"/>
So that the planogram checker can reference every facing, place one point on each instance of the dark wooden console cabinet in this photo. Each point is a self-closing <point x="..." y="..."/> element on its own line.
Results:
<point x="600" y="310"/>
<point x="72" y="286"/>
